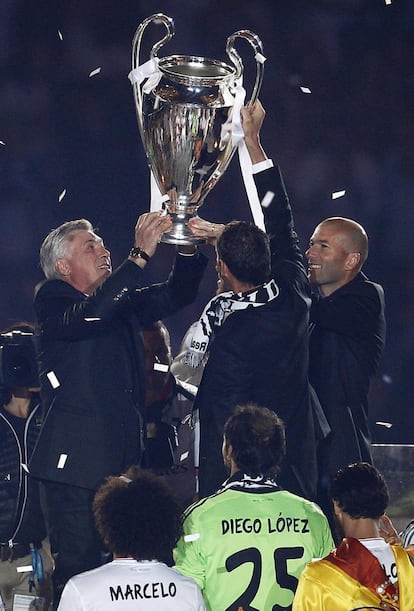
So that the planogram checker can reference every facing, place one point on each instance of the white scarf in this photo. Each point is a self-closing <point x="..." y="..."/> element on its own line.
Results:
<point x="216" y="312"/>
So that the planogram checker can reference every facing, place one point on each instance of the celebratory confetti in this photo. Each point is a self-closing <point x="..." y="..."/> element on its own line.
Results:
<point x="125" y="479"/>
<point x="24" y="569"/>
<point x="183" y="456"/>
<point x="91" y="319"/>
<point x="337" y="194"/>
<point x="62" y="195"/>
<point x="387" y="425"/>
<point x="388" y="1"/>
<point x="387" y="379"/>
<point x="94" y="72"/>
<point x="25" y="467"/>
<point x="161" y="367"/>
<point x="3" y="143"/>
<point x="194" y="537"/>
<point x="60" y="34"/>
<point x="267" y="200"/>
<point x="305" y="90"/>
<point x="260" y="58"/>
<point x="51" y="376"/>
<point x="62" y="460"/>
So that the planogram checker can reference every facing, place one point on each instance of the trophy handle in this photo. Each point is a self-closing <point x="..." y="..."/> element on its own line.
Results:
<point x="157" y="18"/>
<point x="257" y="45"/>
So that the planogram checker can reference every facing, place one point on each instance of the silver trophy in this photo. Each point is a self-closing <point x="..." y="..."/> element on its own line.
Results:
<point x="188" y="111"/>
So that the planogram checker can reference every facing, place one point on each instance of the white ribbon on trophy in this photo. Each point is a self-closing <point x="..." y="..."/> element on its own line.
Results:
<point x="237" y="135"/>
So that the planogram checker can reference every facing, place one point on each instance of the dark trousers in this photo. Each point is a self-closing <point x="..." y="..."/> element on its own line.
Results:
<point x="74" y="540"/>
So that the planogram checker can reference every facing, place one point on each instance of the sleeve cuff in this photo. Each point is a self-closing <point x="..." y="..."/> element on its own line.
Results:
<point x="262" y="165"/>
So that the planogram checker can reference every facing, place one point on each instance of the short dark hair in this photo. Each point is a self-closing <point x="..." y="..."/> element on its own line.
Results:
<point x="138" y="515"/>
<point x="257" y="437"/>
<point x="245" y="250"/>
<point x="360" y="490"/>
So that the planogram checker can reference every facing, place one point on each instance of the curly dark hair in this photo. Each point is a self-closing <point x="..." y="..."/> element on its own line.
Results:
<point x="360" y="490"/>
<point x="257" y="437"/>
<point x="245" y="250"/>
<point x="138" y="515"/>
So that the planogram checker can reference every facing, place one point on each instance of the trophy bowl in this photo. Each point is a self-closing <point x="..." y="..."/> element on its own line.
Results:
<point x="187" y="107"/>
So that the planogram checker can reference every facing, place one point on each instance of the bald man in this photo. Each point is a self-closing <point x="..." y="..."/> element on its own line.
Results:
<point x="346" y="342"/>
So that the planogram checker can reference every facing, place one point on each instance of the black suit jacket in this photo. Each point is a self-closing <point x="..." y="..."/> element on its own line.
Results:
<point x="346" y="343"/>
<point x="91" y="363"/>
<point x="261" y="355"/>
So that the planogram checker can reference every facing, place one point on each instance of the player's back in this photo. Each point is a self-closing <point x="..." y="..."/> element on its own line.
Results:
<point x="247" y="544"/>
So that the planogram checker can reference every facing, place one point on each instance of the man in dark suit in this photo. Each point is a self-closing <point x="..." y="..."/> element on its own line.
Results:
<point x="346" y="343"/>
<point x="92" y="370"/>
<point x="256" y="330"/>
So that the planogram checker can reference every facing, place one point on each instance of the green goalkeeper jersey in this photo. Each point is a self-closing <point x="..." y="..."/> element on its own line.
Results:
<point x="247" y="545"/>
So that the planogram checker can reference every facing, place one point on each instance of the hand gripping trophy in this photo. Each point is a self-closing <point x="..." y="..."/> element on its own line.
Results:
<point x="188" y="111"/>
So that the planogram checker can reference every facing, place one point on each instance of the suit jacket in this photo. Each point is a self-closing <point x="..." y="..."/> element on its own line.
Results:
<point x="261" y="355"/>
<point x="92" y="365"/>
<point x="346" y="343"/>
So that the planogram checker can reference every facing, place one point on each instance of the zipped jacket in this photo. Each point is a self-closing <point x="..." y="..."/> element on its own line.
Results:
<point x="21" y="518"/>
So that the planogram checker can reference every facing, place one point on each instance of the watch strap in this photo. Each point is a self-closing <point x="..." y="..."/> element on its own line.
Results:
<point x="136" y="252"/>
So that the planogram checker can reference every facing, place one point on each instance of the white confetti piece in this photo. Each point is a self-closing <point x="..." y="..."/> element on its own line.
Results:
<point x="305" y="90"/>
<point x="2" y="143"/>
<point x="24" y="569"/>
<point x="192" y="537"/>
<point x="62" y="195"/>
<point x="62" y="461"/>
<point x="94" y="72"/>
<point x="388" y="1"/>
<point x="337" y="194"/>
<point x="267" y="200"/>
<point x="25" y="467"/>
<point x="60" y="34"/>
<point x="92" y="319"/>
<point x="260" y="58"/>
<point x="51" y="376"/>
<point x="387" y="379"/>
<point x="387" y="425"/>
<point x="125" y="479"/>
<point x="161" y="367"/>
<point x="183" y="456"/>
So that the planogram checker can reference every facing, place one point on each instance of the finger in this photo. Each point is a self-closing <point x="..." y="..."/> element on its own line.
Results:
<point x="141" y="219"/>
<point x="387" y="524"/>
<point x="246" y="114"/>
<point x="155" y="220"/>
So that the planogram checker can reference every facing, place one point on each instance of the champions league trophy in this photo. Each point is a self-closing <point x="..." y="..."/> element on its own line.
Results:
<point x="188" y="111"/>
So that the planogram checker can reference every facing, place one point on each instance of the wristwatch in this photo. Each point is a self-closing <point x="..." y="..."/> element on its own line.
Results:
<point x="136" y="252"/>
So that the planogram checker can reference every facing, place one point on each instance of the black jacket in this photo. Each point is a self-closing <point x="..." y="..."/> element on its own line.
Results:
<point x="93" y="347"/>
<point x="346" y="343"/>
<point x="21" y="518"/>
<point x="261" y="355"/>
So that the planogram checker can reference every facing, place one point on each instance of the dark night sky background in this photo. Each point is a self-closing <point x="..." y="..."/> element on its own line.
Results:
<point x="62" y="129"/>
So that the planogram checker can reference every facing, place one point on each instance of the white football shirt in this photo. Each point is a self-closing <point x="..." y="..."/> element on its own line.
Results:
<point x="125" y="584"/>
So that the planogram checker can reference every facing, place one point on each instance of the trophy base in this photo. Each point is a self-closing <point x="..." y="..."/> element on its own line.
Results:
<point x="180" y="234"/>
